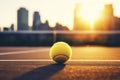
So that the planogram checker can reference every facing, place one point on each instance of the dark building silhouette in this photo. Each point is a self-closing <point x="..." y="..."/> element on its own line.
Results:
<point x="44" y="26"/>
<point x="5" y="29"/>
<point x="22" y="19"/>
<point x="58" y="26"/>
<point x="12" y="27"/>
<point x="36" y="21"/>
<point x="79" y="22"/>
<point x="117" y="23"/>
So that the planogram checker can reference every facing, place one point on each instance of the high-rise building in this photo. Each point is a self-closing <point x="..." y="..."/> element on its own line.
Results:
<point x="22" y="19"/>
<point x="108" y="10"/>
<point x="76" y="16"/>
<point x="106" y="21"/>
<point x="79" y="22"/>
<point x="109" y="17"/>
<point x="36" y="21"/>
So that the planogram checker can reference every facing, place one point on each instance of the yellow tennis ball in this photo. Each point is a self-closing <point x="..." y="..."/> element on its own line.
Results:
<point x="60" y="52"/>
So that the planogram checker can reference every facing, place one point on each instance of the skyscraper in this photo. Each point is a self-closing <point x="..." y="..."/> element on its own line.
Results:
<point x="106" y="21"/>
<point x="22" y="19"/>
<point x="76" y="17"/>
<point x="109" y="16"/>
<point x="36" y="21"/>
<point x="108" y="10"/>
<point x="79" y="22"/>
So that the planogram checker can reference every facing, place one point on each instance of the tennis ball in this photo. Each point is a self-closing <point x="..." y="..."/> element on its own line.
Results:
<point x="60" y="52"/>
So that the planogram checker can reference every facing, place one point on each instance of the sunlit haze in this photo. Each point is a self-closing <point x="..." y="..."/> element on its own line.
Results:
<point x="53" y="10"/>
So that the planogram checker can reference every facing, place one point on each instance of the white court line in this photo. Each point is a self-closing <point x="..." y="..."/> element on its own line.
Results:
<point x="22" y="52"/>
<point x="68" y="61"/>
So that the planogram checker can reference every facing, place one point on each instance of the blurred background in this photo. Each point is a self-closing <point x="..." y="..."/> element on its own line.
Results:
<point x="77" y="22"/>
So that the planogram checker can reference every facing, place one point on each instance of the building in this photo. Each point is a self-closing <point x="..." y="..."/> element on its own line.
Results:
<point x="36" y="21"/>
<point x="106" y="21"/>
<point x="12" y="27"/>
<point x="108" y="13"/>
<point x="44" y="26"/>
<point x="5" y="29"/>
<point x="116" y="24"/>
<point x="58" y="27"/>
<point x="108" y="10"/>
<point x="22" y="19"/>
<point x="80" y="23"/>
<point x="76" y="18"/>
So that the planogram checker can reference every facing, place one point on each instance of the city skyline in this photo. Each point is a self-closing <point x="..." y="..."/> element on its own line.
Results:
<point x="105" y="21"/>
<point x="48" y="10"/>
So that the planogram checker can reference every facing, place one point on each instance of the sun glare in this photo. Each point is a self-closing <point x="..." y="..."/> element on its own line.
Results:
<point x="90" y="15"/>
<point x="90" y="11"/>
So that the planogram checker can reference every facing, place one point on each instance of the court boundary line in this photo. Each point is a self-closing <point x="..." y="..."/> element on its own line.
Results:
<point x="23" y="52"/>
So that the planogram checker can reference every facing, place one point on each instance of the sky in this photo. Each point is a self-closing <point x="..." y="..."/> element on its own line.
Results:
<point x="52" y="10"/>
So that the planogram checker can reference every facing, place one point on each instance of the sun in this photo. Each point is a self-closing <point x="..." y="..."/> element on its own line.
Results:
<point x="90" y="15"/>
<point x="89" y="11"/>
